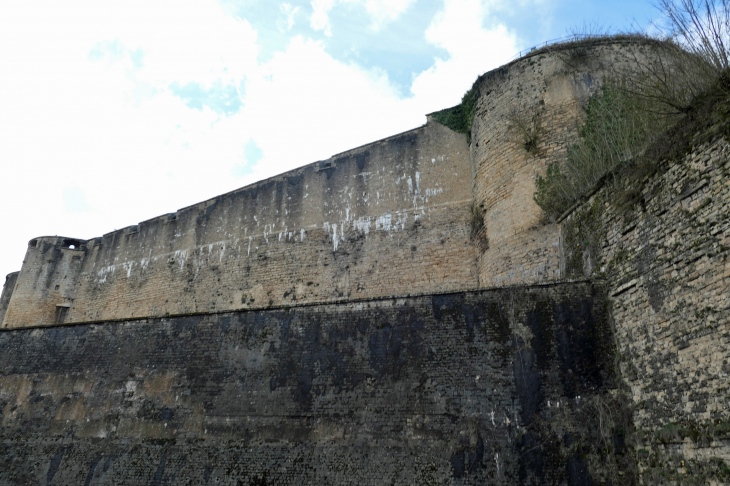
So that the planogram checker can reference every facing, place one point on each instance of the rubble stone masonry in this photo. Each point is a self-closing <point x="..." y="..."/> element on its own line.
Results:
<point x="666" y="262"/>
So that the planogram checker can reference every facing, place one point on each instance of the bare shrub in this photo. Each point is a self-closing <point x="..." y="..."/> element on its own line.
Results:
<point x="618" y="127"/>
<point x="654" y="88"/>
<point x="694" y="52"/>
<point x="528" y="129"/>
<point x="702" y="28"/>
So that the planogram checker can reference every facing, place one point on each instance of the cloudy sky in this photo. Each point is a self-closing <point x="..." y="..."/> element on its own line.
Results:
<point x="113" y="112"/>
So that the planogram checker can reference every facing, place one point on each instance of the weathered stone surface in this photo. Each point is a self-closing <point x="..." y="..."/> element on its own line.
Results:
<point x="528" y="116"/>
<point x="7" y="293"/>
<point x="263" y="367"/>
<point x="666" y="265"/>
<point x="446" y="389"/>
<point x="388" y="218"/>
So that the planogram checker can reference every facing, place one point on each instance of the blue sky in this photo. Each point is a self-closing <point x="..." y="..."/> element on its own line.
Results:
<point x="113" y="112"/>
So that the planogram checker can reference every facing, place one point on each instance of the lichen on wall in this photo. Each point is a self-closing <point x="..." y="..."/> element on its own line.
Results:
<point x="666" y="261"/>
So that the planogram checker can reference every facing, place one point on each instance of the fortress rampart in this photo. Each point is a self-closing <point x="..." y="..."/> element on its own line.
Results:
<point x="424" y="390"/>
<point x="400" y="313"/>
<point x="394" y="217"/>
<point x="388" y="218"/>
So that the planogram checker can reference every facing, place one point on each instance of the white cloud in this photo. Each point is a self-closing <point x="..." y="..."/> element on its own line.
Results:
<point x="384" y="11"/>
<point x="306" y="106"/>
<point x="473" y="49"/>
<point x="290" y="13"/>
<point x="320" y="15"/>
<point x="381" y="12"/>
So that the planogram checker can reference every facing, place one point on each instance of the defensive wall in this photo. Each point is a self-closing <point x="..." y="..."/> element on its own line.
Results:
<point x="325" y="332"/>
<point x="388" y="218"/>
<point x="394" y="217"/>
<point x="491" y="386"/>
<point x="666" y="265"/>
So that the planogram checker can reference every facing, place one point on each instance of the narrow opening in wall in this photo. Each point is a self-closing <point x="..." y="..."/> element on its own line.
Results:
<point x="71" y="244"/>
<point x="57" y="287"/>
<point x="327" y="164"/>
<point x="61" y="313"/>
<point x="32" y="243"/>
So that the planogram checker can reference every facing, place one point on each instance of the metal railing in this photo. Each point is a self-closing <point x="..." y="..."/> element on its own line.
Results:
<point x="560" y="40"/>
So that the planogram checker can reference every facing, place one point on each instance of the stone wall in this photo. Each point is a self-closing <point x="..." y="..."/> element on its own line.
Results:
<point x="527" y="116"/>
<point x="7" y="293"/>
<point x="497" y="386"/>
<point x="666" y="261"/>
<point x="389" y="218"/>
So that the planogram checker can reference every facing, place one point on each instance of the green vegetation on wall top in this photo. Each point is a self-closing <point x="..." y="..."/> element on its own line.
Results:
<point x="460" y="117"/>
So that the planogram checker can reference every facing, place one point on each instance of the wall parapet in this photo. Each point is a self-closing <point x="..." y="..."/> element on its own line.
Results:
<point x="390" y="217"/>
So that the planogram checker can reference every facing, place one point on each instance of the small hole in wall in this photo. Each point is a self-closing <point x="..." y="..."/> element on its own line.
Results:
<point x="57" y="287"/>
<point x="33" y="243"/>
<point x="71" y="247"/>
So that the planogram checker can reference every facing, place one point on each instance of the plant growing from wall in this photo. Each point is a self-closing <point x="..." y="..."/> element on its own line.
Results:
<point x="528" y="129"/>
<point x="654" y="89"/>
<point x="460" y="117"/>
<point x="669" y="76"/>
<point x="477" y="230"/>
<point x="618" y="127"/>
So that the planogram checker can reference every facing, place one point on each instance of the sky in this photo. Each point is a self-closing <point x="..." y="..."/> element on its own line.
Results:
<point x="114" y="112"/>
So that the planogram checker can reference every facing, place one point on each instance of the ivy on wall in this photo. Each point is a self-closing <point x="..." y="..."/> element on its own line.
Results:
<point x="459" y="118"/>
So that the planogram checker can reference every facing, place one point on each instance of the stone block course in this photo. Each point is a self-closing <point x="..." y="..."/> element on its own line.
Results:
<point x="436" y="389"/>
<point x="665" y="265"/>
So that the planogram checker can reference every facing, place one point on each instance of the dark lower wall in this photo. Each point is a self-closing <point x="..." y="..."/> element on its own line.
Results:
<point x="484" y="387"/>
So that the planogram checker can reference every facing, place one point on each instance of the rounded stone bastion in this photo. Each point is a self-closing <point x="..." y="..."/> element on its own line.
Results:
<point x="528" y="113"/>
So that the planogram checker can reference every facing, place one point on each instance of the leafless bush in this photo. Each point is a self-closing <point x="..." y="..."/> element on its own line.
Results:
<point x="653" y="88"/>
<point x="618" y="127"/>
<point x="702" y="28"/>
<point x="690" y="59"/>
<point x="528" y="129"/>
